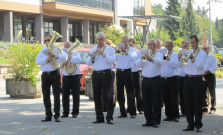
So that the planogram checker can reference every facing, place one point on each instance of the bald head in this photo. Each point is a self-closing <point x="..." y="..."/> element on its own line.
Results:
<point x="67" y="44"/>
<point x="206" y="49"/>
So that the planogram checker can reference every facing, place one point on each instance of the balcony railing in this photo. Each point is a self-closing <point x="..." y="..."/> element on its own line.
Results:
<point x="98" y="4"/>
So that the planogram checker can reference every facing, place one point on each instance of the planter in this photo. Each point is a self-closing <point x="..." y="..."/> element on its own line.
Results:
<point x="23" y="89"/>
<point x="89" y="90"/>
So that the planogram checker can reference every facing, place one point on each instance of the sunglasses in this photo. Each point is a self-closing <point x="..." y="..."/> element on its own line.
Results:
<point x="46" y="40"/>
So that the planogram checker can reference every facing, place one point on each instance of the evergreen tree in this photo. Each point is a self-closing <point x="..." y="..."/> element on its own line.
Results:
<point x="217" y="25"/>
<point x="190" y="26"/>
<point x="173" y="25"/>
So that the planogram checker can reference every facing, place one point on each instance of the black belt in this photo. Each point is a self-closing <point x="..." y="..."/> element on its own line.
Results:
<point x="193" y="75"/>
<point x="129" y="69"/>
<point x="169" y="77"/>
<point x="50" y="72"/>
<point x="151" y="78"/>
<point x="70" y="76"/>
<point x="102" y="71"/>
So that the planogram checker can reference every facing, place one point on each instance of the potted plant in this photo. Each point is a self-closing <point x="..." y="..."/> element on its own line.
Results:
<point x="24" y="83"/>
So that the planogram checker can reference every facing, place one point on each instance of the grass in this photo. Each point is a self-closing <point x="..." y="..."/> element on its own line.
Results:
<point x="3" y="61"/>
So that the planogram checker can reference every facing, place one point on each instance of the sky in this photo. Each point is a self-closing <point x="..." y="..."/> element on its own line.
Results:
<point x="216" y="8"/>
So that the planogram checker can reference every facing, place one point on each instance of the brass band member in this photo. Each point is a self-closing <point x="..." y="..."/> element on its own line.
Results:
<point x="170" y="83"/>
<point x="159" y="44"/>
<point x="71" y="82"/>
<point x="136" y="79"/>
<point x="193" y="86"/>
<point x="210" y="68"/>
<point x="151" y="88"/>
<point x="184" y="45"/>
<point x="124" y="79"/>
<point x="50" y="76"/>
<point x="102" y="77"/>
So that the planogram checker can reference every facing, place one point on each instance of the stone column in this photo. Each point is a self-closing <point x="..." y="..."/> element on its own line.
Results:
<point x="8" y="26"/>
<point x="39" y="28"/>
<point x="86" y="34"/>
<point x="130" y="28"/>
<point x="64" y="29"/>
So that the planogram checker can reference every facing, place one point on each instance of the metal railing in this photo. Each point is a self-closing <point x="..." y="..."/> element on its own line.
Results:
<point x="98" y="4"/>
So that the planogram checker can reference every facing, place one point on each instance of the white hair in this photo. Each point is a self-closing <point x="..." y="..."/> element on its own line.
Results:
<point x="101" y="34"/>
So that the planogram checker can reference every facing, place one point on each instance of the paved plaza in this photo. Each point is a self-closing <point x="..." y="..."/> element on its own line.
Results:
<point x="23" y="117"/>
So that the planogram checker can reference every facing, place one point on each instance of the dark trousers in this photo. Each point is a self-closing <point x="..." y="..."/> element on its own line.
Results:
<point x="104" y="93"/>
<point x="103" y="81"/>
<point x="170" y="96"/>
<point x="48" y="79"/>
<point x="181" y="84"/>
<point x="124" y="79"/>
<point x="209" y="87"/>
<point x="193" y="87"/>
<point x="71" y="84"/>
<point x="137" y="90"/>
<point x="151" y="92"/>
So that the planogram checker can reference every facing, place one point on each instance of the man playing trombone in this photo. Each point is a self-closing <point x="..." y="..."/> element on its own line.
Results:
<point x="102" y="59"/>
<point x="151" y="88"/>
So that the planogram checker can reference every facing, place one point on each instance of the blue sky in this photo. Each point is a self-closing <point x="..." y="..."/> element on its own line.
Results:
<point x="216" y="8"/>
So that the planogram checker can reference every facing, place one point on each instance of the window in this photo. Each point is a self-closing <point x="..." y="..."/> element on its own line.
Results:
<point x="17" y="27"/>
<point x="48" y="28"/>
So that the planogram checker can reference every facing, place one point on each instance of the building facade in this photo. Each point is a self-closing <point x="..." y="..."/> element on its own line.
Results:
<point x="32" y="19"/>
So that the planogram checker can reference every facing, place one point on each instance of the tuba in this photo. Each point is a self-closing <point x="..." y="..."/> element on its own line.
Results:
<point x="70" y="68"/>
<point x="55" y="36"/>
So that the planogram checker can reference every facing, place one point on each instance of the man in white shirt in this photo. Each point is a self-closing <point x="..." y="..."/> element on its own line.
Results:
<point x="159" y="44"/>
<point x="193" y="86"/>
<point x="210" y="68"/>
<point x="124" y="79"/>
<point x="50" y="77"/>
<point x="136" y="79"/>
<point x="102" y="77"/>
<point x="151" y="88"/>
<point x="71" y="82"/>
<point x="170" y="83"/>
<point x="181" y="74"/>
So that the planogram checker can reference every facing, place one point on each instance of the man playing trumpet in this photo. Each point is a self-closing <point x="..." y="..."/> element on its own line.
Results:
<point x="50" y="76"/>
<point x="71" y="82"/>
<point x="151" y="88"/>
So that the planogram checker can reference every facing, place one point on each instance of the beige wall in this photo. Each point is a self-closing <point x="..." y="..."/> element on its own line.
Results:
<point x="148" y="7"/>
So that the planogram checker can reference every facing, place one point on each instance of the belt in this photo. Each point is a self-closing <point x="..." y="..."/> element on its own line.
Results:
<point x="70" y="76"/>
<point x="151" y="78"/>
<point x="51" y="72"/>
<point x="169" y="77"/>
<point x="102" y="71"/>
<point x="194" y="75"/>
<point x="129" y="69"/>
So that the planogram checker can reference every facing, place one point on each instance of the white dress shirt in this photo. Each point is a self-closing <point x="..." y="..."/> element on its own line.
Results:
<point x="134" y="67"/>
<point x="151" y="69"/>
<point x="169" y="68"/>
<point x="196" y="68"/>
<point x="100" y="62"/>
<point x="41" y="59"/>
<point x="125" y="61"/>
<point x="211" y="63"/>
<point x="75" y="59"/>
<point x="181" y="68"/>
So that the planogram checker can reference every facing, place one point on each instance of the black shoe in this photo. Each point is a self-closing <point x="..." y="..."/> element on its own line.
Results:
<point x="98" y="121"/>
<point x="147" y="125"/>
<point x="74" y="116"/>
<point x="122" y="116"/>
<point x="133" y="116"/>
<point x="176" y="120"/>
<point x="46" y="119"/>
<point x="199" y="130"/>
<point x="140" y="112"/>
<point x="212" y="112"/>
<point x="64" y="116"/>
<point x="188" y="129"/>
<point x="155" y="126"/>
<point x="167" y="119"/>
<point x="110" y="122"/>
<point x="57" y="120"/>
<point x="204" y="111"/>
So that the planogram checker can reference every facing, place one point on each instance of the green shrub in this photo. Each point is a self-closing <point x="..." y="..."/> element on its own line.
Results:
<point x="6" y="45"/>
<point x="219" y="74"/>
<point x="23" y="60"/>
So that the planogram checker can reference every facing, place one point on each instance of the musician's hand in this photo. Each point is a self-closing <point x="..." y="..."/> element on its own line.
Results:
<point x="92" y="59"/>
<point x="123" y="50"/>
<point x="65" y="63"/>
<point x="49" y="59"/>
<point x="191" y="57"/>
<point x="207" y="72"/>
<point x="180" y="56"/>
<point x="99" y="51"/>
<point x="50" y="54"/>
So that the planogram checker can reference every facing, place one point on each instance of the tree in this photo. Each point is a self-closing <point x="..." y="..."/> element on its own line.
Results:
<point x="216" y="24"/>
<point x="190" y="26"/>
<point x="173" y="8"/>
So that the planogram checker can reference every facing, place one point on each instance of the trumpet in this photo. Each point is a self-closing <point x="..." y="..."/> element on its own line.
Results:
<point x="118" y="51"/>
<point x="184" y="61"/>
<point x="143" y="58"/>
